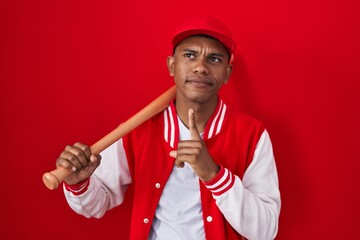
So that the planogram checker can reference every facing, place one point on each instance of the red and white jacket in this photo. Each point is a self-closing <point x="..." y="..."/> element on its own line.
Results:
<point x="242" y="201"/>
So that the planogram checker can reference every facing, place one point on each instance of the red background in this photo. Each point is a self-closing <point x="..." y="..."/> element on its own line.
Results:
<point x="73" y="70"/>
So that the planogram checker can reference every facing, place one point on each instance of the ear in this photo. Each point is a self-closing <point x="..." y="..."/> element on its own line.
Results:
<point x="228" y="72"/>
<point x="170" y="61"/>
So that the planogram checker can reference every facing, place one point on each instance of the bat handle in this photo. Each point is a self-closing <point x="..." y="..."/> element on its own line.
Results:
<point x="53" y="179"/>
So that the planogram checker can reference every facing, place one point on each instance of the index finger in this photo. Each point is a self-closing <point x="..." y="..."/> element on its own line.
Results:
<point x="194" y="132"/>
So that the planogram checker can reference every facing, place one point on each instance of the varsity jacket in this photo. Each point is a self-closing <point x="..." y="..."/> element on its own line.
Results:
<point x="242" y="201"/>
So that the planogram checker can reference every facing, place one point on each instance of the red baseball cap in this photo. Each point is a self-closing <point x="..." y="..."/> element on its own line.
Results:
<point x="207" y="26"/>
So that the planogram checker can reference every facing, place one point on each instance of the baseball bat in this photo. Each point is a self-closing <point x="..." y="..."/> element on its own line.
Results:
<point x="54" y="178"/>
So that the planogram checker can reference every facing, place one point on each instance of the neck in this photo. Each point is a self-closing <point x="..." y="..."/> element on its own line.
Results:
<point x="203" y="111"/>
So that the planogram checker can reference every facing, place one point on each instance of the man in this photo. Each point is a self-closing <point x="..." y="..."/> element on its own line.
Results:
<point x="198" y="169"/>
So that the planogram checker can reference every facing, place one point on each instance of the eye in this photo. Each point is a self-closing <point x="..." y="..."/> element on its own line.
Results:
<point x="189" y="55"/>
<point x="215" y="59"/>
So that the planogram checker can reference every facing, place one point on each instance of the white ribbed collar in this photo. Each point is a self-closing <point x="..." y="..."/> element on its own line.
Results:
<point x="213" y="126"/>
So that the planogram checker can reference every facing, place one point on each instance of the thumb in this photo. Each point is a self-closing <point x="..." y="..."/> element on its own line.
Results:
<point x="194" y="133"/>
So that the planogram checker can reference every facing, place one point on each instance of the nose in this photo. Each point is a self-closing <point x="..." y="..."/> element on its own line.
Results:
<point x="200" y="66"/>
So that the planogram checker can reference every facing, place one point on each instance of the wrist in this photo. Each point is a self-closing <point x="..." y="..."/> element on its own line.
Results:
<point x="78" y="188"/>
<point x="216" y="170"/>
<point x="221" y="183"/>
<point x="215" y="177"/>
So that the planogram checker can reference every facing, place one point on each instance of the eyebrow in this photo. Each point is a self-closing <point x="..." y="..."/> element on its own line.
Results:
<point x="190" y="51"/>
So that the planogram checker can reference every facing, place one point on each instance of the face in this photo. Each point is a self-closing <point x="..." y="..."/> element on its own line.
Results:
<point x="200" y="66"/>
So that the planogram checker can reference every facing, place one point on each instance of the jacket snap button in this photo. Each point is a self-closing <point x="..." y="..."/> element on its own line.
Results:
<point x="209" y="219"/>
<point x="146" y="220"/>
<point x="157" y="185"/>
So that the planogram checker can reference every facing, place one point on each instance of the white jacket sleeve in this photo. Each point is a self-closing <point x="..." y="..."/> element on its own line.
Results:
<point x="106" y="187"/>
<point x="251" y="206"/>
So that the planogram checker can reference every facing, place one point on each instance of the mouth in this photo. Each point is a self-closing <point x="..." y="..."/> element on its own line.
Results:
<point x="199" y="83"/>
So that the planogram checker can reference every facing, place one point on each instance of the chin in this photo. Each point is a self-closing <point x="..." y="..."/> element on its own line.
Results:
<point x="196" y="95"/>
<point x="198" y="98"/>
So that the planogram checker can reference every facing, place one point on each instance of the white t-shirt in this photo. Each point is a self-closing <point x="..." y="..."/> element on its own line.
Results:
<point x="179" y="212"/>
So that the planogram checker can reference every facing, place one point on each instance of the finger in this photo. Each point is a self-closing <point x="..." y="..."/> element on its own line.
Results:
<point x="177" y="162"/>
<point x="189" y="144"/>
<point x="95" y="158"/>
<point x="186" y="155"/>
<point x="94" y="163"/>
<point x="84" y="148"/>
<point x="72" y="159"/>
<point x="65" y="163"/>
<point x="191" y="150"/>
<point x="191" y="159"/>
<point x="173" y="154"/>
<point x="194" y="133"/>
<point x="80" y="154"/>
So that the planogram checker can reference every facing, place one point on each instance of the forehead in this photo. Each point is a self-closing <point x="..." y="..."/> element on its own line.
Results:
<point x="202" y="43"/>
